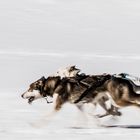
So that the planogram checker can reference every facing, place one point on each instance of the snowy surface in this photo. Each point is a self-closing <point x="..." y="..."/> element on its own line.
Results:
<point x="17" y="117"/>
<point x="39" y="36"/>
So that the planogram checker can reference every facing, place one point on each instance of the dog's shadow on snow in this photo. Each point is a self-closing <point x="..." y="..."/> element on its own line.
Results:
<point x="111" y="126"/>
<point x="122" y="126"/>
<point x="78" y="127"/>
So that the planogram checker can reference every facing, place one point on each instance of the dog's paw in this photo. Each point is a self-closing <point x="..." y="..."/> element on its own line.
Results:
<point x="119" y="113"/>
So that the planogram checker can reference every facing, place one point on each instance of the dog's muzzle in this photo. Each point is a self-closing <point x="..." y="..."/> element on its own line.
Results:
<point x="30" y="99"/>
<point x="31" y="96"/>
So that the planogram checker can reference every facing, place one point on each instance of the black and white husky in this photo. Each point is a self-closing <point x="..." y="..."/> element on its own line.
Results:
<point x="71" y="87"/>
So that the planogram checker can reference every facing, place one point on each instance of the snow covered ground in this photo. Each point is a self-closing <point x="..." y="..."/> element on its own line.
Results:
<point x="17" y="115"/>
<point x="39" y="36"/>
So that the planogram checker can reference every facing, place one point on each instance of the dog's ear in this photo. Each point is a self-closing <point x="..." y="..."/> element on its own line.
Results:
<point x="72" y="68"/>
<point x="43" y="78"/>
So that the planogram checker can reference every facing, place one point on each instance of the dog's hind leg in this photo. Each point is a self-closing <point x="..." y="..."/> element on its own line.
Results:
<point x="115" y="111"/>
<point x="109" y="111"/>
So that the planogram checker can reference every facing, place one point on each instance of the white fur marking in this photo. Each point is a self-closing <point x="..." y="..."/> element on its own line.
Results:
<point x="34" y="93"/>
<point x="55" y="95"/>
<point x="112" y="100"/>
<point x="65" y="72"/>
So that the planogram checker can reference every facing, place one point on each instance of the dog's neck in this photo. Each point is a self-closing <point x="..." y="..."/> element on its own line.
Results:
<point x="50" y="85"/>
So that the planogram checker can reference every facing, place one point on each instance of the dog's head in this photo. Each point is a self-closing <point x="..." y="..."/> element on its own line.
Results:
<point x="70" y="71"/>
<point x="35" y="90"/>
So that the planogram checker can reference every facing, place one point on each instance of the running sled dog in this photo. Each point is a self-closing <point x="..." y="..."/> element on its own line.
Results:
<point x="82" y="89"/>
<point x="70" y="87"/>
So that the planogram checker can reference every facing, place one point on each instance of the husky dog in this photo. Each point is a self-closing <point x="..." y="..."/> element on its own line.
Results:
<point x="70" y="90"/>
<point x="78" y="89"/>
<point x="87" y="85"/>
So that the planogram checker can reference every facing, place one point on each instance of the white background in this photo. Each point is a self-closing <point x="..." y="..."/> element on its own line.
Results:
<point x="39" y="36"/>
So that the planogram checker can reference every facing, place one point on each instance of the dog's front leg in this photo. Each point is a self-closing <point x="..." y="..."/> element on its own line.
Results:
<point x="55" y="107"/>
<point x="47" y="118"/>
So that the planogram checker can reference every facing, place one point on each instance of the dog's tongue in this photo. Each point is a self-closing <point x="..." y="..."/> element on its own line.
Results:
<point x="30" y="100"/>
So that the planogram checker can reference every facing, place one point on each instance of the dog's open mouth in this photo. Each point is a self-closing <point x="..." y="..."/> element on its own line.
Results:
<point x="31" y="99"/>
